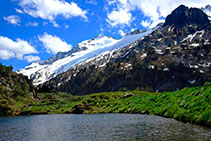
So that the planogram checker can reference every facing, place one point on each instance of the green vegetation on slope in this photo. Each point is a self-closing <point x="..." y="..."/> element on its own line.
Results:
<point x="16" y="91"/>
<point x="189" y="104"/>
<point x="18" y="96"/>
<point x="52" y="103"/>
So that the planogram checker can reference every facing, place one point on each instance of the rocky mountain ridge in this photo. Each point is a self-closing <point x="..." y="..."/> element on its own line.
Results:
<point x="207" y="10"/>
<point x="85" y="51"/>
<point x="175" y="55"/>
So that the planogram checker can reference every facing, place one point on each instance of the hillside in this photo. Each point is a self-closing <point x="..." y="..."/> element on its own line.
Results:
<point x="16" y="91"/>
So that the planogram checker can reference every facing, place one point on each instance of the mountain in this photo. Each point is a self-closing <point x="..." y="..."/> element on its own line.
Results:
<point x="175" y="55"/>
<point x="184" y="16"/>
<point x="207" y="10"/>
<point x="87" y="50"/>
<point x="16" y="91"/>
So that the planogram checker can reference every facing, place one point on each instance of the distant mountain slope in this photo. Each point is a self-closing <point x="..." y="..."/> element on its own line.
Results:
<point x="43" y="71"/>
<point x="175" y="55"/>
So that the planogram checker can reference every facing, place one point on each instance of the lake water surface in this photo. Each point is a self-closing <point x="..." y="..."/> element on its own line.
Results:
<point x="98" y="127"/>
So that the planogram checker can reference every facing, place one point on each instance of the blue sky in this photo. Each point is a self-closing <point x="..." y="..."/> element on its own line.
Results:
<point x="33" y="30"/>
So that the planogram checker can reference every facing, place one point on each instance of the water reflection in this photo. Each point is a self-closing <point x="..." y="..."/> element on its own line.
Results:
<point x="99" y="127"/>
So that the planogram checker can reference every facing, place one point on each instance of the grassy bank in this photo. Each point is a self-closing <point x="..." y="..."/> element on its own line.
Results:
<point x="189" y="104"/>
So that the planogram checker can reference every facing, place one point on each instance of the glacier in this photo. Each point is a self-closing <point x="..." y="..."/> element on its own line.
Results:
<point x="42" y="71"/>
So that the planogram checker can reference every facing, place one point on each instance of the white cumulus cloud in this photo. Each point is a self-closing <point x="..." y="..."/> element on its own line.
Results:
<point x="13" y="19"/>
<point x="50" y="9"/>
<point x="54" y="44"/>
<point x="14" y="49"/>
<point x="6" y="54"/>
<point x="158" y="10"/>
<point x="31" y="58"/>
<point x="155" y="10"/>
<point x="120" y="17"/>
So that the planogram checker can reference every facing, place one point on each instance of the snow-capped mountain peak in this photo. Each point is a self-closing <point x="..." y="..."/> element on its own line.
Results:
<point x="98" y="41"/>
<point x="99" y="36"/>
<point x="43" y="71"/>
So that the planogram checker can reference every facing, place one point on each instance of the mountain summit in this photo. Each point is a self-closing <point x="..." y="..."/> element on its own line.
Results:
<point x="168" y="57"/>
<point x="84" y="51"/>
<point x="183" y="16"/>
<point x="207" y="10"/>
<point x="173" y="56"/>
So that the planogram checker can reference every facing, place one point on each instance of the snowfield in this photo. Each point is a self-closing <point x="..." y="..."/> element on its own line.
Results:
<point x="41" y="72"/>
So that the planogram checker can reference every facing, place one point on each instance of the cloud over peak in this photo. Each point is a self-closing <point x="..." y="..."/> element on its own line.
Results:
<point x="120" y="17"/>
<point x="54" y="44"/>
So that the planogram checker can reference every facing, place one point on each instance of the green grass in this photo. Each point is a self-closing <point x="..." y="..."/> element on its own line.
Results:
<point x="189" y="104"/>
<point x="52" y="103"/>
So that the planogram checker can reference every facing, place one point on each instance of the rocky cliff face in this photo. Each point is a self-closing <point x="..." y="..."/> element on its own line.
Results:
<point x="183" y="16"/>
<point x="175" y="55"/>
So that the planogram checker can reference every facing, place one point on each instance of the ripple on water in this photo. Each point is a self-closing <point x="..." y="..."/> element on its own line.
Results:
<point x="99" y="127"/>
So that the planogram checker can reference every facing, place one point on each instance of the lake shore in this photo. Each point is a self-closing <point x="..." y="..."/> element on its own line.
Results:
<point x="188" y="105"/>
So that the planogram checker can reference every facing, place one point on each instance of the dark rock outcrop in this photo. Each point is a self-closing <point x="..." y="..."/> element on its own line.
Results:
<point x="183" y="16"/>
